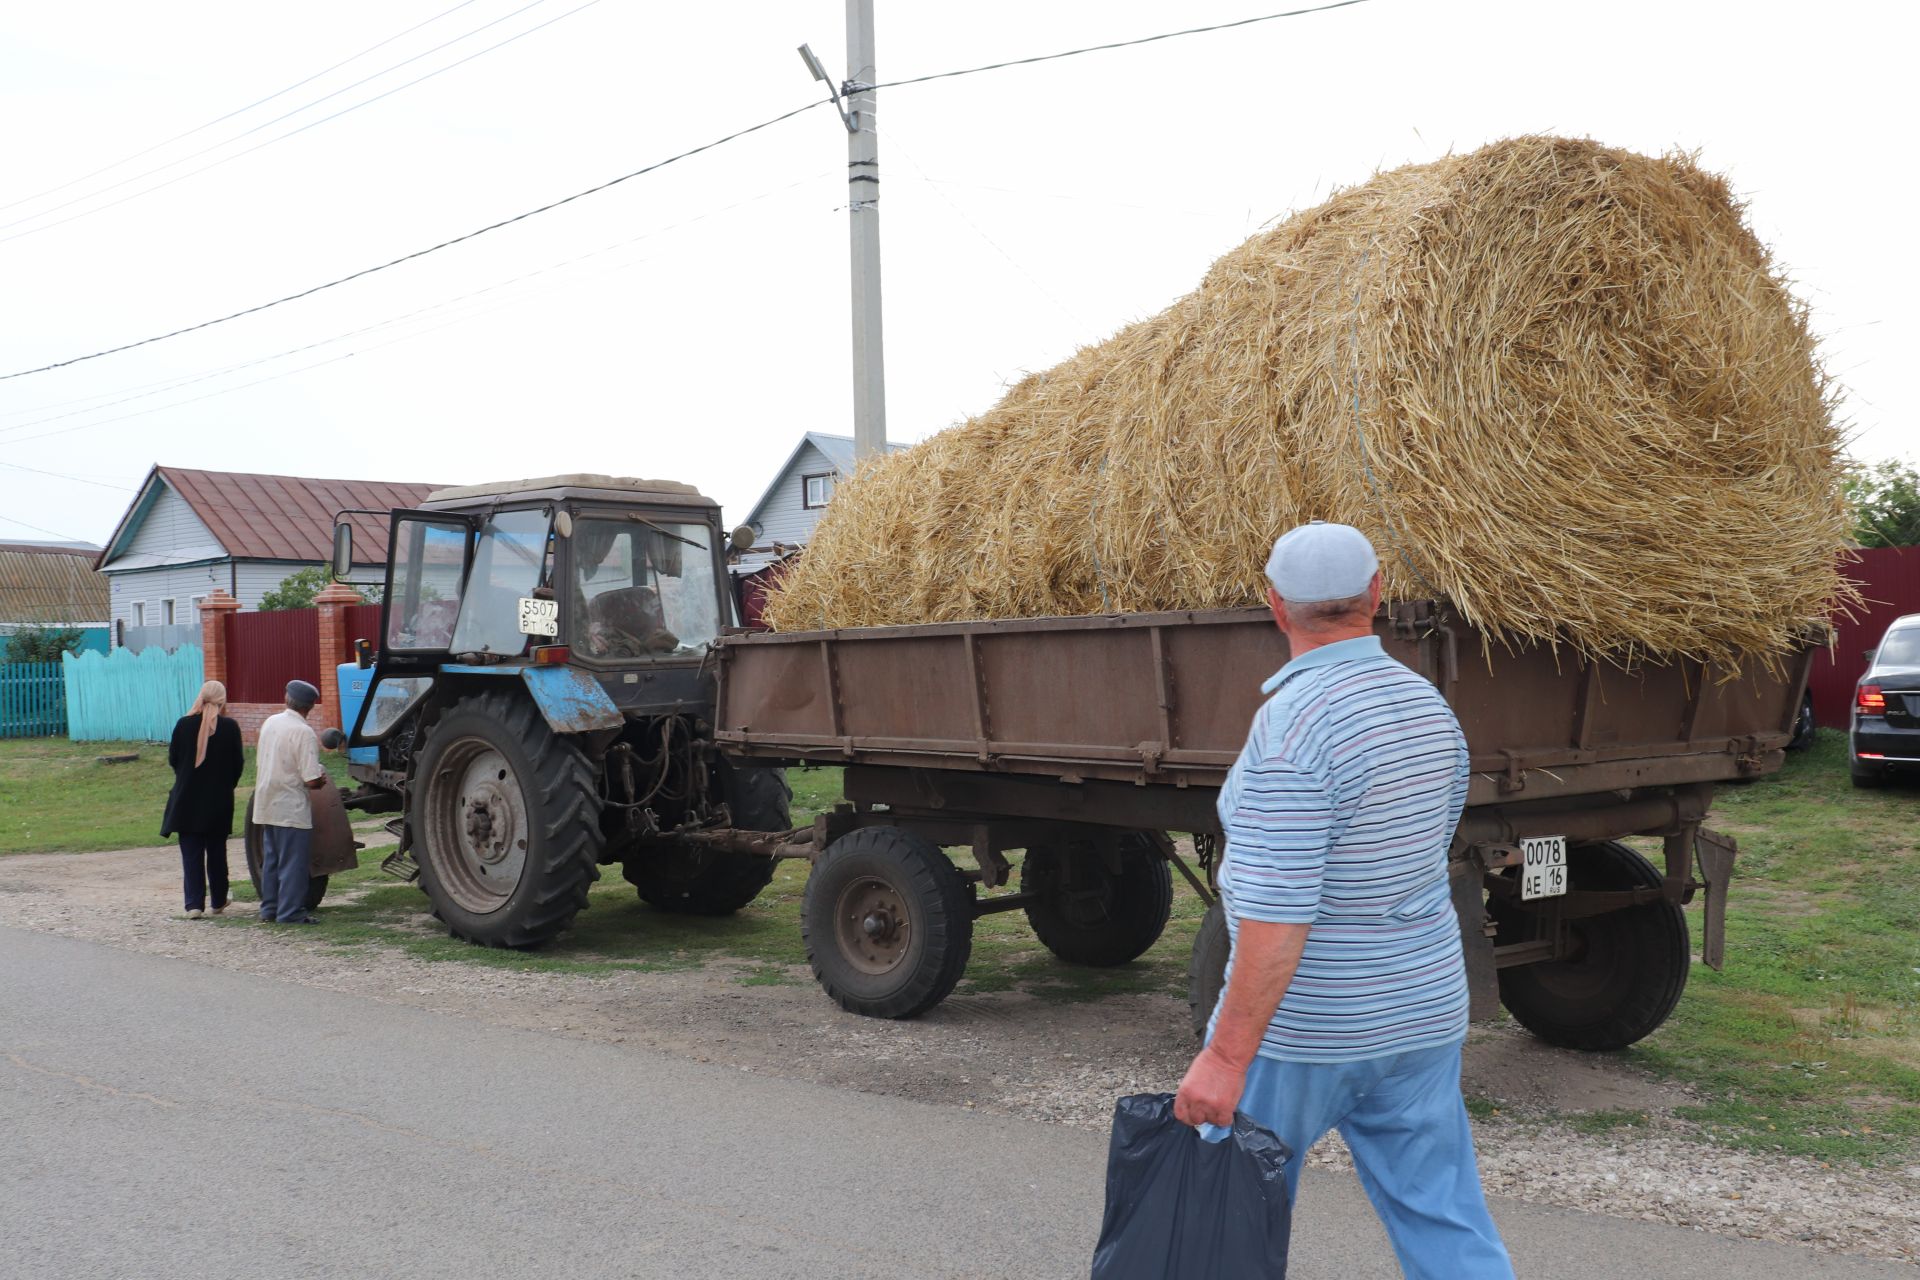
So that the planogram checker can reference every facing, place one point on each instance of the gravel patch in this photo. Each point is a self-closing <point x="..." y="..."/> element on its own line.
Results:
<point x="1010" y="1053"/>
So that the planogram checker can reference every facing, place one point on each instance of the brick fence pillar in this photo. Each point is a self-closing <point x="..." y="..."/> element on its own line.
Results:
<point x="213" y="633"/>
<point x="332" y="604"/>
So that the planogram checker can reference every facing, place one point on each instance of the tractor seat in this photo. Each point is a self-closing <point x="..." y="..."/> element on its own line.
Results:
<point x="628" y="623"/>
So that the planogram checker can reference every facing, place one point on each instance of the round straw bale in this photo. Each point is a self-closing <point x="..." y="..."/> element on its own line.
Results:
<point x="1558" y="384"/>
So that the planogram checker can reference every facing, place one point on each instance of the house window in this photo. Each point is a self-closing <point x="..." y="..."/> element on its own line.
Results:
<point x="819" y="491"/>
<point x="139" y="613"/>
<point x="197" y="602"/>
<point x="166" y="613"/>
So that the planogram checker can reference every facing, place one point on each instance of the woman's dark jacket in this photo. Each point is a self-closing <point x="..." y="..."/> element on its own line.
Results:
<point x="201" y="803"/>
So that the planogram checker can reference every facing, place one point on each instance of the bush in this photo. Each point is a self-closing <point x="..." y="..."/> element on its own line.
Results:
<point x="43" y="644"/>
<point x="296" y="590"/>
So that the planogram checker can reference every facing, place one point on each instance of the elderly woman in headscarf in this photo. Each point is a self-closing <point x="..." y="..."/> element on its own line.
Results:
<point x="207" y="760"/>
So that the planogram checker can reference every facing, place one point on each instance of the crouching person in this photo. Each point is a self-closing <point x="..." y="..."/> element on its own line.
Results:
<point x="287" y="768"/>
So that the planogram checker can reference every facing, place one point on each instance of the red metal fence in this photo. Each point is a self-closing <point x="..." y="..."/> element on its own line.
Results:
<point x="265" y="650"/>
<point x="1889" y="578"/>
<point x="359" y="622"/>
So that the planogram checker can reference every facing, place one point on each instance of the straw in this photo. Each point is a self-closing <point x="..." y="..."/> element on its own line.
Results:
<point x="1559" y="384"/>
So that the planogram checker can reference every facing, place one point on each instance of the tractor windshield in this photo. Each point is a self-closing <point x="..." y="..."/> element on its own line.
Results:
<point x="643" y="588"/>
<point x="506" y="567"/>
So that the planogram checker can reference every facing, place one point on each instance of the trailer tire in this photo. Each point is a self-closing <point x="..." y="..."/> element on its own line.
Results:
<point x="888" y="923"/>
<point x="514" y="871"/>
<point x="696" y="882"/>
<point x="1207" y="970"/>
<point x="1628" y="968"/>
<point x="1087" y="913"/>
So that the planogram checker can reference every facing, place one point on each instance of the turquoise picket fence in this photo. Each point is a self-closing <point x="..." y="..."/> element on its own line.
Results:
<point x="126" y="696"/>
<point x="33" y="700"/>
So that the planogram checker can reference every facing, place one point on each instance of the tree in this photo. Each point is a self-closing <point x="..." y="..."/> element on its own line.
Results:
<point x="296" y="590"/>
<point x="1885" y="498"/>
<point x="43" y="644"/>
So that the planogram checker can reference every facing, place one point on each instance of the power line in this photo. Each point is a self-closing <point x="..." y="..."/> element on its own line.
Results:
<point x="147" y="391"/>
<point x="61" y="475"/>
<point x="1117" y="44"/>
<point x="421" y="253"/>
<point x="259" y="102"/>
<point x="37" y="529"/>
<point x="281" y="137"/>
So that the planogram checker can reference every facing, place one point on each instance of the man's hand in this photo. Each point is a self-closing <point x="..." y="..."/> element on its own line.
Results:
<point x="1210" y="1090"/>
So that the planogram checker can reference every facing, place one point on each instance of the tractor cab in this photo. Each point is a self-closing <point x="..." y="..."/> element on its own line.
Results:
<point x="603" y="593"/>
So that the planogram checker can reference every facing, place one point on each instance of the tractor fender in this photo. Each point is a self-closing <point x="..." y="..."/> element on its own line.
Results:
<point x="571" y="700"/>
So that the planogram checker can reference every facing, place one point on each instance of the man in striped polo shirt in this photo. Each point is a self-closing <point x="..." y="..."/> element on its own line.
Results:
<point x="1345" y="1003"/>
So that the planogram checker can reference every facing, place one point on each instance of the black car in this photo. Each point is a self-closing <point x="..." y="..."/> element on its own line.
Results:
<point x="1885" y="735"/>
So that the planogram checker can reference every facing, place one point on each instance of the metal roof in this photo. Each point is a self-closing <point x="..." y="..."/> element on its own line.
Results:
<point x="50" y="584"/>
<point x="268" y="517"/>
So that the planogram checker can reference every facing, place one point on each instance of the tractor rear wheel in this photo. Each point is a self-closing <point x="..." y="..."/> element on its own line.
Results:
<point x="1086" y="911"/>
<point x="506" y="816"/>
<point x="888" y="923"/>
<point x="696" y="882"/>
<point x="1626" y="969"/>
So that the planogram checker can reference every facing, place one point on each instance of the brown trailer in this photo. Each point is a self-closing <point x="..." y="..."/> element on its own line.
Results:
<point x="1085" y="741"/>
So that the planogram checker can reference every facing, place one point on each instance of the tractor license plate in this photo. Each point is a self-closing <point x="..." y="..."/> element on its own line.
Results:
<point x="1543" y="867"/>
<point x="539" y="617"/>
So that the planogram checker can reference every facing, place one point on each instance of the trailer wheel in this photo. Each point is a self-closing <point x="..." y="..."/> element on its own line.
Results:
<point x="1627" y="968"/>
<point x="1087" y="912"/>
<point x="696" y="882"/>
<point x="888" y="923"/>
<point x="506" y="816"/>
<point x="1207" y="970"/>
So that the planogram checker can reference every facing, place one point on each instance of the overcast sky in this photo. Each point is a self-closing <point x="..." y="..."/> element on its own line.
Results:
<point x="1025" y="212"/>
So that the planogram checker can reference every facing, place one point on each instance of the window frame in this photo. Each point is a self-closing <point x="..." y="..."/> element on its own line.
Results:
<point x="137" y="610"/>
<point x="563" y="573"/>
<point x="806" y="489"/>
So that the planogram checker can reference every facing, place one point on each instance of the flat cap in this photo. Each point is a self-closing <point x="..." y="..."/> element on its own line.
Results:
<point x="301" y="694"/>
<point x="1321" y="561"/>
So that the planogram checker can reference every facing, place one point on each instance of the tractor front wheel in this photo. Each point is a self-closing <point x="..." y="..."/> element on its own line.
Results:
<point x="506" y="815"/>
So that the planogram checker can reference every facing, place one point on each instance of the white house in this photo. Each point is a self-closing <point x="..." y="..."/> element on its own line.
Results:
<point x="189" y="533"/>
<point x="801" y="489"/>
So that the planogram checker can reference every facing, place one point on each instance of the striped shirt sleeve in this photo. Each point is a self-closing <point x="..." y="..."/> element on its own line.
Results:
<point x="1278" y="837"/>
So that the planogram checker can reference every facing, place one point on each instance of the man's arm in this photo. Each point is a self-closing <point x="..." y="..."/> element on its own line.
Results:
<point x="1264" y="959"/>
<point x="311" y="769"/>
<point x="1277" y="842"/>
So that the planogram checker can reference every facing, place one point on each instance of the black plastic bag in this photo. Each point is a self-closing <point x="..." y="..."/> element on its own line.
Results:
<point x="1182" y="1208"/>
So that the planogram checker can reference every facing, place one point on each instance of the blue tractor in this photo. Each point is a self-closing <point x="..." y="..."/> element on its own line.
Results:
<point x="540" y="704"/>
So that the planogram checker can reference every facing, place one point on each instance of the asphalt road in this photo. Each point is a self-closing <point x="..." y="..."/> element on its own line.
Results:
<point x="161" y="1118"/>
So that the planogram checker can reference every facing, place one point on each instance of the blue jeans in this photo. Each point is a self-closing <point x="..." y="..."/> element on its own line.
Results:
<point x="1405" y="1122"/>
<point x="285" y="856"/>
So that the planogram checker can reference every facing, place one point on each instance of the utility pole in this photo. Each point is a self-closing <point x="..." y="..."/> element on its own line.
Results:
<point x="863" y="210"/>
<point x="855" y="101"/>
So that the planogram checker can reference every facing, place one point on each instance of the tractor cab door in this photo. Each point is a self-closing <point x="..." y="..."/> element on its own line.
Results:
<point x="430" y="557"/>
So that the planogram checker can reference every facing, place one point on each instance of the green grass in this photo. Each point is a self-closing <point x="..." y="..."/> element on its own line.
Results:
<point x="56" y="798"/>
<point x="1809" y="1042"/>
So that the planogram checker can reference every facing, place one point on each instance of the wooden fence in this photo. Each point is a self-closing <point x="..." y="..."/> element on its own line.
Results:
<point x="129" y="696"/>
<point x="33" y="700"/>
<point x="265" y="650"/>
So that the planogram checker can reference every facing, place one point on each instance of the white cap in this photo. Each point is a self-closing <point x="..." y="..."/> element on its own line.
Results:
<point x="1321" y="561"/>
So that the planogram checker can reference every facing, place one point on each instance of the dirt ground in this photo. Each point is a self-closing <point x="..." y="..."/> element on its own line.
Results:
<point x="1014" y="1054"/>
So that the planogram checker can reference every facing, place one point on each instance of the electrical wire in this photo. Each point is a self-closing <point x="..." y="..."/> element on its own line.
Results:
<point x="281" y="137"/>
<point x="37" y="529"/>
<point x="421" y="253"/>
<point x="1117" y="44"/>
<point x="237" y="111"/>
<point x="146" y="391"/>
<point x="61" y="475"/>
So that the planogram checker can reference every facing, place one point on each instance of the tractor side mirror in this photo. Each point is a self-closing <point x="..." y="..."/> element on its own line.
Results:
<point x="342" y="550"/>
<point x="332" y="739"/>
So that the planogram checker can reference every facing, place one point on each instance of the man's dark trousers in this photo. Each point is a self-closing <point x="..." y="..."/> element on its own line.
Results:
<point x="285" y="856"/>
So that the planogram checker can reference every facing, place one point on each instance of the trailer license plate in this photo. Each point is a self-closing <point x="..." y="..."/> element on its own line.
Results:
<point x="1543" y="867"/>
<point x="539" y="617"/>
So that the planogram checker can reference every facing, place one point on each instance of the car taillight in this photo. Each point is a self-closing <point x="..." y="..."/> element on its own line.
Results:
<point x="1872" y="701"/>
